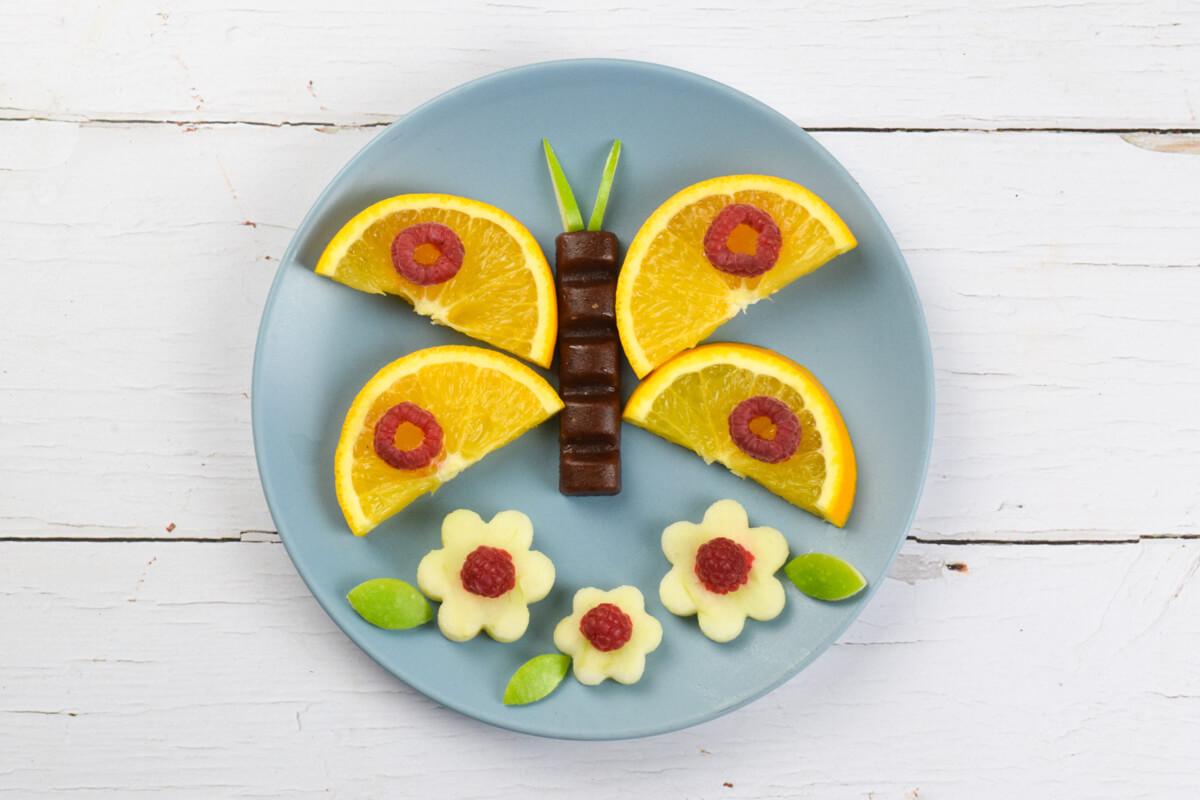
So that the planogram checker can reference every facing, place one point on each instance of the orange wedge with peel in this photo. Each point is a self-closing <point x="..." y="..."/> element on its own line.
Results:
<point x="696" y="399"/>
<point x="671" y="294"/>
<point x="501" y="290"/>
<point x="468" y="402"/>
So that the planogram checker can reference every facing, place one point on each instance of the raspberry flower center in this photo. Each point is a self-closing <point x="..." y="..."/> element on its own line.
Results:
<point x="607" y="627"/>
<point x="488" y="572"/>
<point x="723" y="565"/>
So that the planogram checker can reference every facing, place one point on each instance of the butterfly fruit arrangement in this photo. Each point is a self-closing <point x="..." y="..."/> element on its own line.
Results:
<point x="705" y="255"/>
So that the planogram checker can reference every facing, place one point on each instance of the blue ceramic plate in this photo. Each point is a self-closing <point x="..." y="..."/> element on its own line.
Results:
<point x="856" y="323"/>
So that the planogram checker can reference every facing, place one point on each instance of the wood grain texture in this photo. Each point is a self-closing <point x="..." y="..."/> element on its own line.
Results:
<point x="1090" y="64"/>
<point x="208" y="671"/>
<point x="1058" y="274"/>
<point x="155" y="159"/>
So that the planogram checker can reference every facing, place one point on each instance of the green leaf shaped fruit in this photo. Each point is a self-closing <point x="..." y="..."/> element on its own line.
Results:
<point x="390" y="603"/>
<point x="596" y="221"/>
<point x="536" y="678"/>
<point x="568" y="208"/>
<point x="825" y="577"/>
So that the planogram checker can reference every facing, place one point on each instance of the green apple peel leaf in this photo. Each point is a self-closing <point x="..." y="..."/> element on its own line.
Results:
<point x="390" y="603"/>
<point x="568" y="209"/>
<point x="825" y="577"/>
<point x="596" y="221"/>
<point x="536" y="678"/>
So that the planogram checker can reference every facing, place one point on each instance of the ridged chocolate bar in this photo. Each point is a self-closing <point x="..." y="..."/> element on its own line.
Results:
<point x="589" y="371"/>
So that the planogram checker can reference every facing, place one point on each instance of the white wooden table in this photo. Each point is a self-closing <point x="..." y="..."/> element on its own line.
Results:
<point x="1039" y="635"/>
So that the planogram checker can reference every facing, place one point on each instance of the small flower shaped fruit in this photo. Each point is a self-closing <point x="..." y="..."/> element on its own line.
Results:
<point x="608" y="635"/>
<point x="485" y="575"/>
<point x="723" y="571"/>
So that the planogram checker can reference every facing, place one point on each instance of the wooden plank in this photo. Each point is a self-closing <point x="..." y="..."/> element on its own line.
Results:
<point x="1090" y="64"/>
<point x="141" y="282"/>
<point x="1058" y="274"/>
<point x="207" y="670"/>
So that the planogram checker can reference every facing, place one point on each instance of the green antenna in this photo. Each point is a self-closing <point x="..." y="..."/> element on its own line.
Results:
<point x="606" y="182"/>
<point x="568" y="208"/>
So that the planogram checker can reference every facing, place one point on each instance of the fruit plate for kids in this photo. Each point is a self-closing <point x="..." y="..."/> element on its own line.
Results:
<point x="856" y="323"/>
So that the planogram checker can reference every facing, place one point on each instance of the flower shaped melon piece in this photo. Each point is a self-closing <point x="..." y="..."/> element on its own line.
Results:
<point x="485" y="575"/>
<point x="608" y="635"/>
<point x="723" y="571"/>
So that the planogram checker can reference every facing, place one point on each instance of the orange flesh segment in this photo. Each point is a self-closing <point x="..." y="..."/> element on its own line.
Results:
<point x="670" y="297"/>
<point x="426" y="254"/>
<point x="409" y="436"/>
<point x="688" y="401"/>
<point x="506" y="399"/>
<point x="503" y="293"/>
<point x="763" y="428"/>
<point x="743" y="239"/>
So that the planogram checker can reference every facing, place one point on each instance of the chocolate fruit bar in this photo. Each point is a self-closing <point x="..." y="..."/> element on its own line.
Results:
<point x="589" y="347"/>
<point x="589" y="371"/>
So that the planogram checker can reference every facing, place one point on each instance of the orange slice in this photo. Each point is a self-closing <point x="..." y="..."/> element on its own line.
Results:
<point x="502" y="293"/>
<point x="671" y="296"/>
<point x="691" y="400"/>
<point x="480" y="400"/>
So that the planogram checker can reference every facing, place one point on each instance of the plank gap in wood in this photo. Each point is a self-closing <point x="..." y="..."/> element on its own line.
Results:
<point x="16" y="115"/>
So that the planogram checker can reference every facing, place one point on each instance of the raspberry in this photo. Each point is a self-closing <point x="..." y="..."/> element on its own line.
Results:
<point x="449" y="248"/>
<point x="385" y="436"/>
<point x="723" y="565"/>
<point x="607" y="627"/>
<point x="488" y="572"/>
<point x="774" y="449"/>
<point x="745" y="265"/>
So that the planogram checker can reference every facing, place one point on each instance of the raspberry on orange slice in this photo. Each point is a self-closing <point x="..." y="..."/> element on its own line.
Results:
<point x="462" y="263"/>
<point x="409" y="431"/>
<point x="710" y="251"/>
<point x="761" y="415"/>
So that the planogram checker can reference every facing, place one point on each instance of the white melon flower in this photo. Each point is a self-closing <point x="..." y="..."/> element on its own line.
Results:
<point x="723" y="571"/>
<point x="608" y="635"/>
<point x="485" y="575"/>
